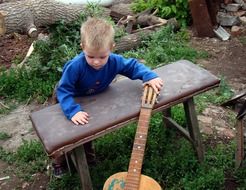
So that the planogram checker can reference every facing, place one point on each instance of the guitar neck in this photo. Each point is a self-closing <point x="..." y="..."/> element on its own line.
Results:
<point x="136" y="161"/>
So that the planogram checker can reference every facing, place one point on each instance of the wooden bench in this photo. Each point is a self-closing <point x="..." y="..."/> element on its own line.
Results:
<point x="119" y="105"/>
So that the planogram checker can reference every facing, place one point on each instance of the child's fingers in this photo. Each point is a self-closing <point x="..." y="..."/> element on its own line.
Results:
<point x="157" y="90"/>
<point x="75" y="121"/>
<point x="83" y="120"/>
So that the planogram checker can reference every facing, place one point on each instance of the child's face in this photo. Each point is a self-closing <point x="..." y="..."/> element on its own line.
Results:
<point x="96" y="58"/>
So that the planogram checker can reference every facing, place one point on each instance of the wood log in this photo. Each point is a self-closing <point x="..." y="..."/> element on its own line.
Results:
<point x="27" y="15"/>
<point x="120" y="10"/>
<point x="131" y="22"/>
<point x="132" y="41"/>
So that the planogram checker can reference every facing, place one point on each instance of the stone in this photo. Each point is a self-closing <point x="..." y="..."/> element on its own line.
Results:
<point x="226" y="133"/>
<point x="243" y="20"/>
<point x="236" y="30"/>
<point x="206" y="130"/>
<point x="204" y="119"/>
<point x="239" y="1"/>
<point x="233" y="7"/>
<point x="227" y="20"/>
<point x="239" y="13"/>
<point x="242" y="3"/>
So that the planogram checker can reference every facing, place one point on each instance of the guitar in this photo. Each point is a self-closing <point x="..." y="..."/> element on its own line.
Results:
<point x="133" y="179"/>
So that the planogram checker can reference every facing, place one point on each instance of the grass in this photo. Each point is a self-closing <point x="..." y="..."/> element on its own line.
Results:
<point x="169" y="159"/>
<point x="4" y="136"/>
<point x="242" y="39"/>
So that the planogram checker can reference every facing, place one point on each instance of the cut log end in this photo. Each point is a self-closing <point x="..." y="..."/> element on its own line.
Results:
<point x="32" y="32"/>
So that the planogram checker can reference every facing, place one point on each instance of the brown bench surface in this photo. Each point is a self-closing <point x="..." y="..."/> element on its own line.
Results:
<point x="118" y="105"/>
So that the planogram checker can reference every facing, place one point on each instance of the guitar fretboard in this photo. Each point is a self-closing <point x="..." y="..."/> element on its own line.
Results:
<point x="136" y="161"/>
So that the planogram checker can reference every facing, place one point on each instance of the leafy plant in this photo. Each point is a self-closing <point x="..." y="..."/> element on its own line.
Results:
<point x="165" y="46"/>
<point x="166" y="9"/>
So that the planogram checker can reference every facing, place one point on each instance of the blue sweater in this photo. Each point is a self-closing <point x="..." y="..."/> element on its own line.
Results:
<point x="80" y="79"/>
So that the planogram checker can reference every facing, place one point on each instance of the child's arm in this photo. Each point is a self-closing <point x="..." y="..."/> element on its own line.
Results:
<point x="66" y="89"/>
<point x="136" y="70"/>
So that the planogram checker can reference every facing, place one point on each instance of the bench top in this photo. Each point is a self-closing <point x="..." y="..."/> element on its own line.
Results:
<point x="118" y="105"/>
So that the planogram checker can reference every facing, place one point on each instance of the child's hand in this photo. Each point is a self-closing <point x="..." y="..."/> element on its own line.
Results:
<point x="156" y="84"/>
<point x="80" y="118"/>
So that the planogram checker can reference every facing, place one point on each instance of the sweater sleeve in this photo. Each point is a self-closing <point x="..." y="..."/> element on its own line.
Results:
<point x="133" y="69"/>
<point x="66" y="91"/>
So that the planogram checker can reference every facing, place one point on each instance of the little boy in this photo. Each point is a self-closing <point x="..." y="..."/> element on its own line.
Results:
<point x="93" y="70"/>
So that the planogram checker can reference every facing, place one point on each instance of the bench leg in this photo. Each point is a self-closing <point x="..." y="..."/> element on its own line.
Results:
<point x="193" y="128"/>
<point x="166" y="114"/>
<point x="80" y="162"/>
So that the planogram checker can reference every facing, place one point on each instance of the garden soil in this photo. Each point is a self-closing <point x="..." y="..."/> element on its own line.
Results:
<point x="227" y="59"/>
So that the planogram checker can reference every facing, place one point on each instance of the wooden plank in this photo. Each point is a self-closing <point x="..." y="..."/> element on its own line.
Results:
<point x="182" y="131"/>
<point x="201" y="18"/>
<point x="193" y="127"/>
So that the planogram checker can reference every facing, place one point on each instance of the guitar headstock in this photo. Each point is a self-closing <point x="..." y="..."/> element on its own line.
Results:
<point x="149" y="97"/>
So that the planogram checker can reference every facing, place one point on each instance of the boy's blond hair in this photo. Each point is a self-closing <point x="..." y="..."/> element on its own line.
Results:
<point x="96" y="33"/>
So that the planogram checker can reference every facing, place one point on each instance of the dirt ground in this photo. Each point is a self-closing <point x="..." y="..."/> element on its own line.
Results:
<point x="226" y="58"/>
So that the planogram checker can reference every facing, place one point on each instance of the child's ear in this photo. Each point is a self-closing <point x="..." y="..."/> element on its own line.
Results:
<point x="81" y="45"/>
<point x="112" y="47"/>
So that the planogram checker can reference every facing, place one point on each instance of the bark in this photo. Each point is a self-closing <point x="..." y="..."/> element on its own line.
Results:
<point x="132" y="41"/>
<point x="27" y="15"/>
<point x="120" y="10"/>
<point x="201" y="18"/>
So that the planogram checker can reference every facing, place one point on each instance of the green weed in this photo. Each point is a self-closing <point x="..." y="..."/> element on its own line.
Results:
<point x="165" y="46"/>
<point x="4" y="136"/>
<point x="242" y="39"/>
<point x="166" y="9"/>
<point x="28" y="159"/>
<point x="216" y="96"/>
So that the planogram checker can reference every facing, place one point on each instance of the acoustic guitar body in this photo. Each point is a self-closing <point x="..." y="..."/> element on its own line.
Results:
<point x="117" y="182"/>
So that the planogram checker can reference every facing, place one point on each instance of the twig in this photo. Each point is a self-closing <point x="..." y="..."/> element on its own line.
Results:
<point x="3" y="178"/>
<point x="29" y="52"/>
<point x="4" y="105"/>
<point x="148" y="27"/>
<point x="154" y="13"/>
<point x="121" y="20"/>
<point x="27" y="101"/>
